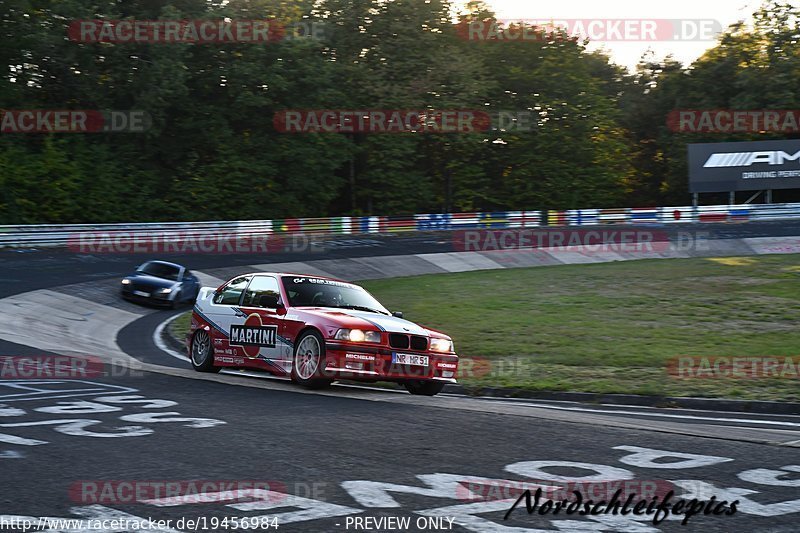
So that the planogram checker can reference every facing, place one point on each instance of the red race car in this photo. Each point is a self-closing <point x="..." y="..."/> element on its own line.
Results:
<point x="315" y="330"/>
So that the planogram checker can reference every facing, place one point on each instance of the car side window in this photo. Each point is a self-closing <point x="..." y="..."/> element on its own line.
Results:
<point x="262" y="292"/>
<point x="230" y="294"/>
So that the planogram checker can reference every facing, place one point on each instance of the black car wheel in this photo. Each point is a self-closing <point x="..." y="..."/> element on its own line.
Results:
<point x="308" y="366"/>
<point x="424" y="388"/>
<point x="202" y="353"/>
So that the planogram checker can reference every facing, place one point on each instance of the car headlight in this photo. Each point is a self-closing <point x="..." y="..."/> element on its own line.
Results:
<point x="442" y="345"/>
<point x="357" y="335"/>
<point x="166" y="290"/>
<point x="126" y="281"/>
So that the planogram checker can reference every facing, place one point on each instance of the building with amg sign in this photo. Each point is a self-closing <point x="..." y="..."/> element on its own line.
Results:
<point x="744" y="166"/>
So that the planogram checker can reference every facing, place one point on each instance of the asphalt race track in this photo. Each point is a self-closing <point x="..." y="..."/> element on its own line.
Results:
<point x="348" y="458"/>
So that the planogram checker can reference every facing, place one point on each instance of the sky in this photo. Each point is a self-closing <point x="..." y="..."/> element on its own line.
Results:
<point x="628" y="52"/>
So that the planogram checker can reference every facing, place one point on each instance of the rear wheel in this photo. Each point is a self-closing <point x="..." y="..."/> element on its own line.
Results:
<point x="308" y="367"/>
<point x="202" y="352"/>
<point x="424" y="388"/>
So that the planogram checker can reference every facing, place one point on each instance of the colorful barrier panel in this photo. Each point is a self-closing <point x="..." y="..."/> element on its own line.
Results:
<point x="62" y="234"/>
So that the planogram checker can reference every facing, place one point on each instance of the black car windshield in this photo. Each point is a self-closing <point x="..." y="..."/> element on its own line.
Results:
<point x="160" y="270"/>
<point x="318" y="292"/>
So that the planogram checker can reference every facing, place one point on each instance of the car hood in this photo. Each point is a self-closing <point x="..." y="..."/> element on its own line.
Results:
<point x="143" y="281"/>
<point x="344" y="317"/>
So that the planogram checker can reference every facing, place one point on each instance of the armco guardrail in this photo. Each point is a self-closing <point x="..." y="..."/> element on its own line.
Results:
<point x="66" y="235"/>
<point x="674" y="215"/>
<point x="74" y="234"/>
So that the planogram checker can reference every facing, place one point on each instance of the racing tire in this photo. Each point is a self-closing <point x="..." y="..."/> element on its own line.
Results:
<point x="202" y="353"/>
<point x="423" y="388"/>
<point x="308" y="363"/>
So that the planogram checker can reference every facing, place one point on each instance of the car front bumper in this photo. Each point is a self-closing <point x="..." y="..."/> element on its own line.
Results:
<point x="154" y="297"/>
<point x="344" y="361"/>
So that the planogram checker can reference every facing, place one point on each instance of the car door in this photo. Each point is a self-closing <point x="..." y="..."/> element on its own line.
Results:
<point x="222" y="313"/>
<point x="259" y="327"/>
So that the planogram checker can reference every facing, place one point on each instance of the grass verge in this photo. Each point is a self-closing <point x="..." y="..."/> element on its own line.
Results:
<point x="179" y="328"/>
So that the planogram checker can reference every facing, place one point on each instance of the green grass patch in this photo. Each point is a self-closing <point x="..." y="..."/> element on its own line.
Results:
<point x="179" y="328"/>
<point x="612" y="327"/>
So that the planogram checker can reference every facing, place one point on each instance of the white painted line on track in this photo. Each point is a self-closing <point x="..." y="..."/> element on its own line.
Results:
<point x="663" y="415"/>
<point x="159" y="342"/>
<point x="622" y="406"/>
<point x="12" y="454"/>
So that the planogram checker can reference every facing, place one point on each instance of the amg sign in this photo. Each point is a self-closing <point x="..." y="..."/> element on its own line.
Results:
<point x="744" y="166"/>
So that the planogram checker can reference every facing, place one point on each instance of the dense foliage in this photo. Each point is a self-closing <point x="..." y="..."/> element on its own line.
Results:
<point x="213" y="152"/>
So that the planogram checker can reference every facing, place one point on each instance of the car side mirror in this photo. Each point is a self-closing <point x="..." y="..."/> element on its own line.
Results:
<point x="398" y="314"/>
<point x="271" y="301"/>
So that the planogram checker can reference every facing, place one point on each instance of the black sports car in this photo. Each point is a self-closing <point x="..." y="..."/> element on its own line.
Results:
<point x="161" y="283"/>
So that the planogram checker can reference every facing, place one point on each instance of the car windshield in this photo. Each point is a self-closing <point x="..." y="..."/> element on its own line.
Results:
<point x="319" y="292"/>
<point x="160" y="270"/>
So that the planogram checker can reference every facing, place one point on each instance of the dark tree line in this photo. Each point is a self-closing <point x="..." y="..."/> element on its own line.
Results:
<point x="212" y="152"/>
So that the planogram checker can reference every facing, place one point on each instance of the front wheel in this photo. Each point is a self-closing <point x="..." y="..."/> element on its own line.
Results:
<point x="424" y="388"/>
<point x="308" y="366"/>
<point x="202" y="353"/>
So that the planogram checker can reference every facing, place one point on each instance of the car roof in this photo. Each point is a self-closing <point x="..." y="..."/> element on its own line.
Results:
<point x="280" y="274"/>
<point x="176" y="265"/>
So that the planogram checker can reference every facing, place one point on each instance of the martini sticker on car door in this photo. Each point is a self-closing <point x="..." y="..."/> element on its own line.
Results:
<point x="253" y="336"/>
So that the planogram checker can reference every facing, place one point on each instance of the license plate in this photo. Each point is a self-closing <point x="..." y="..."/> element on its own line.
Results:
<point x="141" y="293"/>
<point x="410" y="359"/>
